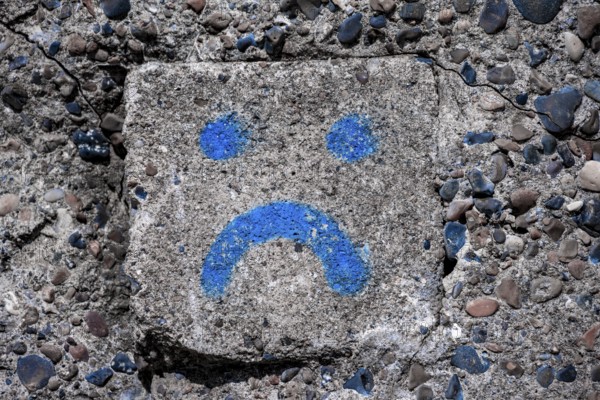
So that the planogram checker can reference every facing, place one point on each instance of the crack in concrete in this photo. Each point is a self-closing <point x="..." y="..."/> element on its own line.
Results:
<point x="56" y="61"/>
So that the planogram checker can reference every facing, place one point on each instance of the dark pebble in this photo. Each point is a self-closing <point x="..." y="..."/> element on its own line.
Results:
<point x="592" y="124"/>
<point x="275" y="40"/>
<point x="454" y="390"/>
<point x="531" y="153"/>
<point x="463" y="6"/>
<point x="457" y="289"/>
<point x="499" y="236"/>
<point x="454" y="238"/>
<point x="107" y="30"/>
<point x="115" y="9"/>
<point x="468" y="73"/>
<point x="545" y="376"/>
<point x="53" y="48"/>
<point x="408" y="35"/>
<point x="472" y="138"/>
<point x="501" y="75"/>
<point x="489" y="206"/>
<point x="589" y="217"/>
<point x="412" y="12"/>
<point x="536" y="57"/>
<point x="522" y="98"/>
<point x="289" y="374"/>
<point x="361" y="381"/>
<point x="19" y="348"/>
<point x="594" y="254"/>
<point x="34" y="372"/>
<point x="558" y="109"/>
<point x="310" y="8"/>
<point x="466" y="358"/>
<point x="96" y="324"/>
<point x="553" y="168"/>
<point x="350" y="29"/>
<point x="140" y="192"/>
<point x="17" y="63"/>
<point x="426" y="244"/>
<point x="92" y="145"/>
<point x="76" y="240"/>
<point x="595" y="375"/>
<point x="51" y="4"/>
<point x="73" y="108"/>
<point x="14" y="96"/>
<point x="549" y="144"/>
<point x="566" y="155"/>
<point x="567" y="374"/>
<point x="538" y="11"/>
<point x="554" y="229"/>
<point x="555" y="203"/>
<point x="245" y="42"/>
<point x="459" y="55"/>
<point x="99" y="377"/>
<point x="449" y="189"/>
<point x="480" y="184"/>
<point x="378" y="21"/>
<point x="122" y="363"/>
<point x="107" y="84"/>
<point x="591" y="89"/>
<point x="493" y="16"/>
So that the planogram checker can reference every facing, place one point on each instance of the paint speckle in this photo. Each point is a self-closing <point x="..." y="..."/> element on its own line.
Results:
<point x="345" y="266"/>
<point x="224" y="138"/>
<point x="351" y="139"/>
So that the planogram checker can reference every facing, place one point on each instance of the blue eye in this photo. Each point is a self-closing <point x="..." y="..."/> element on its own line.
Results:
<point x="224" y="138"/>
<point x="351" y="138"/>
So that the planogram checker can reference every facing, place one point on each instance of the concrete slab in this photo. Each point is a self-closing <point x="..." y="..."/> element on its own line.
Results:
<point x="290" y="208"/>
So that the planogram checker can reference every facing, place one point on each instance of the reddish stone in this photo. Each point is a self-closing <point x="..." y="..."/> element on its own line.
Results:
<point x="481" y="307"/>
<point x="96" y="324"/>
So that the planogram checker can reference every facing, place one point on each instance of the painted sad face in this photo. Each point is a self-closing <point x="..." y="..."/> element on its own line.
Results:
<point x="346" y="267"/>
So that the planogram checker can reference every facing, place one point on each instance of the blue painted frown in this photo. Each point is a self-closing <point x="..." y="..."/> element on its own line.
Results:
<point x="351" y="139"/>
<point x="345" y="266"/>
<point x="224" y="138"/>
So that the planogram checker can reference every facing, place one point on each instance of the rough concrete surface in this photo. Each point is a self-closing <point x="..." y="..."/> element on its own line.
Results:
<point x="455" y="257"/>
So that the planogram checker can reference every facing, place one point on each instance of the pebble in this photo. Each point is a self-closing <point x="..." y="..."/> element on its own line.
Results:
<point x="523" y="199"/>
<point x="555" y="203"/>
<point x="521" y="98"/>
<point x="595" y="374"/>
<point x="514" y="245"/>
<point x="512" y="368"/>
<point x="14" y="96"/>
<point x="19" y="348"/>
<point x="577" y="269"/>
<point x="408" y="35"/>
<point x="454" y="390"/>
<point x="449" y="189"/>
<point x="8" y="203"/>
<point x="558" y="109"/>
<point x="310" y="8"/>
<point x="554" y="229"/>
<point x="196" y="5"/>
<point x="549" y="144"/>
<point x="454" y="238"/>
<point x="488" y="206"/>
<point x="445" y="16"/>
<point x="538" y="11"/>
<point x="479" y="334"/>
<point x="567" y="374"/>
<point x="115" y="9"/>
<point x="589" y="218"/>
<point x="594" y="254"/>
<point x="417" y="376"/>
<point x="494" y="16"/>
<point x="575" y="206"/>
<point x="592" y="124"/>
<point x="53" y="195"/>
<point x="468" y="73"/>
<point x="18" y="63"/>
<point x="99" y="377"/>
<point x="588" y="19"/>
<point x="566" y="155"/>
<point x="92" y="145"/>
<point x="425" y="393"/>
<point x="384" y="6"/>
<point x="499" y="236"/>
<point x="500" y="168"/>
<point x="481" y="307"/>
<point x="275" y="40"/>
<point x="34" y="372"/>
<point x="412" y="12"/>
<point x="539" y="83"/>
<point x="73" y="108"/>
<point x="218" y="21"/>
<point x="545" y="376"/>
<point x="76" y="240"/>
<point x="545" y="288"/>
<point x="79" y="352"/>
<point x="531" y="154"/>
<point x="122" y="363"/>
<point x="54" y="353"/>
<point x="289" y="374"/>
<point x="112" y="122"/>
<point x="361" y="382"/>
<point x="244" y="43"/>
<point x="554" y="168"/>
<point x="567" y="250"/>
<point x="520" y="133"/>
<point x="473" y="138"/>
<point x="592" y="90"/>
<point x="480" y="184"/>
<point x="574" y="46"/>
<point x="459" y="55"/>
<point x="536" y="56"/>
<point x="378" y="21"/>
<point x="501" y="75"/>
<point x="491" y="101"/>
<point x="588" y="339"/>
<point x="510" y="292"/>
<point x="96" y="324"/>
<point x="466" y="358"/>
<point x="589" y="176"/>
<point x="463" y="6"/>
<point x="350" y="29"/>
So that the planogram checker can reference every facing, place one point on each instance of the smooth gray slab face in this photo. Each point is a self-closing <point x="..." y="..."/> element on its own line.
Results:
<point x="285" y="298"/>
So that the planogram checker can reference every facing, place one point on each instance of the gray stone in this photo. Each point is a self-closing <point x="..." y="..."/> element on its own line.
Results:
<point x="501" y="75"/>
<point x="493" y="16"/>
<point x="592" y="90"/>
<point x="545" y="288"/>
<point x="463" y="6"/>
<point x="277" y="293"/>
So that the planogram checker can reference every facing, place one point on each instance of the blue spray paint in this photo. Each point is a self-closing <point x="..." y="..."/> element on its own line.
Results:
<point x="224" y="138"/>
<point x="345" y="269"/>
<point x="351" y="139"/>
